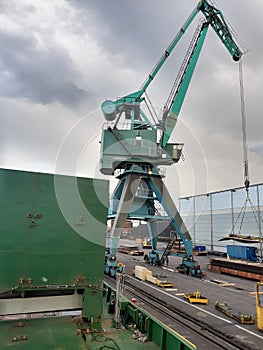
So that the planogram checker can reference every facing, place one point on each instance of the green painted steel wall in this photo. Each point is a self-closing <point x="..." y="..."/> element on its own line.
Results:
<point x="53" y="229"/>
<point x="160" y="334"/>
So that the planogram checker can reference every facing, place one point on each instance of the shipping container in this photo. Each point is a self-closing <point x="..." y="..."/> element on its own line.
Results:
<point x="241" y="252"/>
<point x="199" y="248"/>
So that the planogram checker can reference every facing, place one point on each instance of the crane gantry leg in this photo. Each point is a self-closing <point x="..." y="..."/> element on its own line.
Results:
<point x="135" y="197"/>
<point x="128" y="186"/>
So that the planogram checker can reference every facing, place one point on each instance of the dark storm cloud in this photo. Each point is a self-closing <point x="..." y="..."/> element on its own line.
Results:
<point x="53" y="50"/>
<point x="139" y="30"/>
<point x="39" y="72"/>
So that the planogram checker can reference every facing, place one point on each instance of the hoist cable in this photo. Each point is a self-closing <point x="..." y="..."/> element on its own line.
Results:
<point x="242" y="211"/>
<point x="255" y="213"/>
<point x="245" y="155"/>
<point x="243" y="216"/>
<point x="244" y="127"/>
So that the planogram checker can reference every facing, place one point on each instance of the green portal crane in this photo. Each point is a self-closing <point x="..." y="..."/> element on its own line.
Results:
<point x="133" y="146"/>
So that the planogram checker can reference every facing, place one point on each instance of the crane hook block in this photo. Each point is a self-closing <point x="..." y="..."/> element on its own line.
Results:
<point x="247" y="183"/>
<point x="237" y="55"/>
<point x="109" y="110"/>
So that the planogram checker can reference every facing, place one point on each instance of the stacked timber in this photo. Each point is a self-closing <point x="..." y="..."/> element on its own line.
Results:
<point x="152" y="279"/>
<point x="142" y="272"/>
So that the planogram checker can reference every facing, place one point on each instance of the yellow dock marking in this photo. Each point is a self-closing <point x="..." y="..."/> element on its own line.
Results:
<point x="183" y="301"/>
<point x="203" y="310"/>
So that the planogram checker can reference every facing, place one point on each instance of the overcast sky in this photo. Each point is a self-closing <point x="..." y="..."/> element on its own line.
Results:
<point x="60" y="59"/>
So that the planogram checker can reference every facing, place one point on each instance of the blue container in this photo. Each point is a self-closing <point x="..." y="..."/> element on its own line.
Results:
<point x="241" y="252"/>
<point x="199" y="248"/>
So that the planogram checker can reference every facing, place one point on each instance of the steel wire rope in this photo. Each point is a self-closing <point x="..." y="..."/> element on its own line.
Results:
<point x="244" y="132"/>
<point x="245" y="154"/>
<point x="244" y="127"/>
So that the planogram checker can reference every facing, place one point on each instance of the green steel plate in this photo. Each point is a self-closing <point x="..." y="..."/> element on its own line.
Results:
<point x="62" y="334"/>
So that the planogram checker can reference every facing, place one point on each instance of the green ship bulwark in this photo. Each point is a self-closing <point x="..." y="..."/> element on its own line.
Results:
<point x="52" y="248"/>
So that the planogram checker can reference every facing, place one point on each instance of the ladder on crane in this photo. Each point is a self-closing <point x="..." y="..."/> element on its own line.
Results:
<point x="166" y="253"/>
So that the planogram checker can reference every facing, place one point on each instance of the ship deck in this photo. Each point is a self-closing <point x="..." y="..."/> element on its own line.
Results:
<point x="65" y="333"/>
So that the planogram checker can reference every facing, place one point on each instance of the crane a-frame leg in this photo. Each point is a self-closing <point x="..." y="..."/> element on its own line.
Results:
<point x="128" y="194"/>
<point x="128" y="190"/>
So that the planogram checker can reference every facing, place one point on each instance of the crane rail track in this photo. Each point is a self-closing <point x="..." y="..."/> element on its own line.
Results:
<point x="211" y="335"/>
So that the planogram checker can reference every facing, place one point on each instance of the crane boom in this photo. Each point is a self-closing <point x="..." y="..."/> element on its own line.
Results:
<point x="216" y="19"/>
<point x="130" y="104"/>
<point x="136" y="96"/>
<point x="176" y="98"/>
<point x="168" y="51"/>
